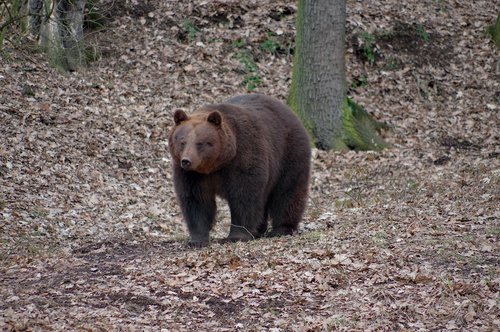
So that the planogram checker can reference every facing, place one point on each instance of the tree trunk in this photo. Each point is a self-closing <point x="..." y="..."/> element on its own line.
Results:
<point x="59" y="26"/>
<point x="35" y="16"/>
<point x="318" y="85"/>
<point x="318" y="91"/>
<point x="496" y="32"/>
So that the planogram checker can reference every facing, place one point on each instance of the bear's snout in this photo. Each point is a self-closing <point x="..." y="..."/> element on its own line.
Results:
<point x="186" y="163"/>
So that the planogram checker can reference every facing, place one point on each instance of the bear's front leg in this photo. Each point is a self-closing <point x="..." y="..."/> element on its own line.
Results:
<point x="199" y="215"/>
<point x="197" y="202"/>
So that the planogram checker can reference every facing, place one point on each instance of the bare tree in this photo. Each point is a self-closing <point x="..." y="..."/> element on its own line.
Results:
<point x="318" y="91"/>
<point x="59" y="26"/>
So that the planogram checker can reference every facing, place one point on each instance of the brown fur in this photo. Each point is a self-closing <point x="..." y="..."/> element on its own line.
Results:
<point x="252" y="151"/>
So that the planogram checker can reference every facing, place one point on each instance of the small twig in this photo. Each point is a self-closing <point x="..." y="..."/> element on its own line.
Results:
<point x="253" y="237"/>
<point x="355" y="194"/>
<point x="12" y="20"/>
<point x="316" y="205"/>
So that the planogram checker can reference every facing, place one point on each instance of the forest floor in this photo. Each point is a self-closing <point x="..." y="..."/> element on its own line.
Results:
<point x="91" y="237"/>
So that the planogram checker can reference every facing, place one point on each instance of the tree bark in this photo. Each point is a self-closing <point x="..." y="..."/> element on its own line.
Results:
<point x="496" y="32"/>
<point x="318" y="91"/>
<point x="318" y="84"/>
<point x="35" y="16"/>
<point x="59" y="26"/>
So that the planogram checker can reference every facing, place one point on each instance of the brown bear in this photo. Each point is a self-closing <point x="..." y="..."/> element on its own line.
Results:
<point x="250" y="150"/>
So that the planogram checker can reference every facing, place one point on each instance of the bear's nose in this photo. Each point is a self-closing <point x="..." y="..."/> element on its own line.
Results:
<point x="185" y="163"/>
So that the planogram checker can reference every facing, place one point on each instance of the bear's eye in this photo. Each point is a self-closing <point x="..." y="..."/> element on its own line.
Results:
<point x="183" y="144"/>
<point x="210" y="144"/>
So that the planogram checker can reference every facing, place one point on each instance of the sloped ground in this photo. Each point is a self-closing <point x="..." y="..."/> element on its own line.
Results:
<point x="407" y="239"/>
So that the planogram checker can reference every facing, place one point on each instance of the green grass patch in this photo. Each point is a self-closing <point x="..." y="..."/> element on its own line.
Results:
<point x="393" y="64"/>
<point x="424" y="35"/>
<point x="368" y="46"/>
<point x="270" y="45"/>
<point x="190" y="29"/>
<point x="239" y="43"/>
<point x="252" y="78"/>
<point x="252" y="82"/>
<point x="360" y="81"/>
<point x="247" y="60"/>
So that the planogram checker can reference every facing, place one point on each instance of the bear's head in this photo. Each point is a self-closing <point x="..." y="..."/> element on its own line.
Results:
<point x="202" y="142"/>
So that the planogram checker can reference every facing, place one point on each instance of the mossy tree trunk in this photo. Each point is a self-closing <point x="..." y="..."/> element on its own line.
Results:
<point x="58" y="25"/>
<point x="495" y="32"/>
<point x="318" y="91"/>
<point x="318" y="82"/>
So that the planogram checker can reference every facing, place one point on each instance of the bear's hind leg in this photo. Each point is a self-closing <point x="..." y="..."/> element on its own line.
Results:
<point x="248" y="216"/>
<point x="287" y="204"/>
<point x="262" y="227"/>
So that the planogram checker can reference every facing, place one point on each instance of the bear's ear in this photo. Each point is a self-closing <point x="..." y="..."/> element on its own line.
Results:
<point x="215" y="117"/>
<point x="179" y="116"/>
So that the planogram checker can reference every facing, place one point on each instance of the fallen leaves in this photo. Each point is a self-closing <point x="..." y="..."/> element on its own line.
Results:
<point x="406" y="239"/>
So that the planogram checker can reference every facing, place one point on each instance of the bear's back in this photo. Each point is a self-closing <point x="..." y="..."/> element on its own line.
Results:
<point x="265" y="129"/>
<point x="263" y="106"/>
<point x="265" y="113"/>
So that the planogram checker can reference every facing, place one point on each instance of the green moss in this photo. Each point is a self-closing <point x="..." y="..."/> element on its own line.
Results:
<point x="360" y="130"/>
<point x="494" y="32"/>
